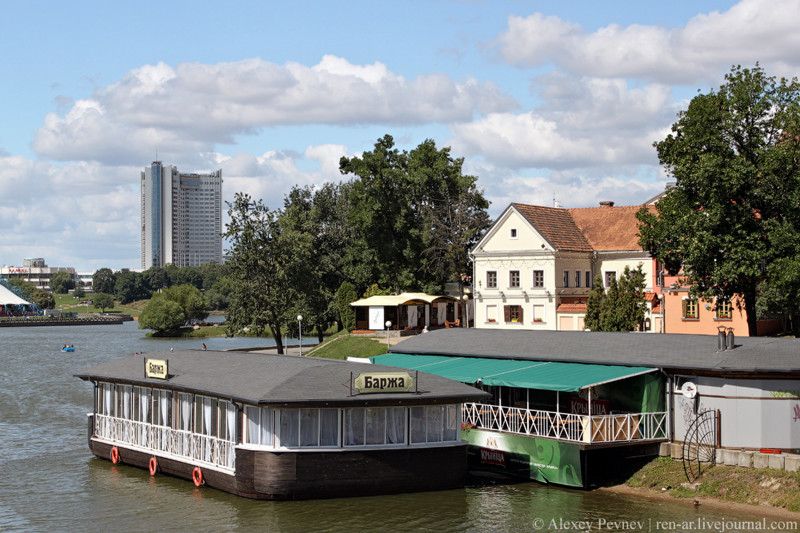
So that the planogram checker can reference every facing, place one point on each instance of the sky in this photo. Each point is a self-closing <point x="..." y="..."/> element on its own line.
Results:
<point x="545" y="101"/>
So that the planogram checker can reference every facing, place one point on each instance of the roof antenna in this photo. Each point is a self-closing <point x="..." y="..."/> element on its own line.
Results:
<point x="556" y="203"/>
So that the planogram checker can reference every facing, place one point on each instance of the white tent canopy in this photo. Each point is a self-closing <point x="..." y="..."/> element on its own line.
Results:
<point x="407" y="298"/>
<point x="9" y="298"/>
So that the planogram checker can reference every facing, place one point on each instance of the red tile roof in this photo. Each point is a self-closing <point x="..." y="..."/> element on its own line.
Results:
<point x="608" y="227"/>
<point x="556" y="225"/>
<point x="571" y="308"/>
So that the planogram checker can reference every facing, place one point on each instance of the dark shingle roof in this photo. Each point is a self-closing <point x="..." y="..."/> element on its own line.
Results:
<point x="272" y="379"/>
<point x="668" y="351"/>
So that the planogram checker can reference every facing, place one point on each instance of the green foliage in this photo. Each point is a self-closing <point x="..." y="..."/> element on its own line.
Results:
<point x="186" y="276"/>
<point x="621" y="307"/>
<point x="316" y="219"/>
<point x="345" y="295"/>
<point x="104" y="281"/>
<point x="266" y="265"/>
<point x="594" y="305"/>
<point x="193" y="304"/>
<point x="78" y="292"/>
<point x="375" y="290"/>
<point x="129" y="286"/>
<point x="414" y="214"/>
<point x="162" y="315"/>
<point x="43" y="299"/>
<point x="103" y="301"/>
<point x="61" y="282"/>
<point x="734" y="213"/>
<point x="156" y="278"/>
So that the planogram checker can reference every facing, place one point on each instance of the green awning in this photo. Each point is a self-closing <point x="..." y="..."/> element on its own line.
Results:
<point x="514" y="373"/>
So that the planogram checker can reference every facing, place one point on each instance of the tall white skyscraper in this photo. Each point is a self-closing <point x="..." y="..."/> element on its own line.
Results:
<point x="181" y="217"/>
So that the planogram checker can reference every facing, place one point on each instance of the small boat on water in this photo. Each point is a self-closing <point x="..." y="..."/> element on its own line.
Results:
<point x="68" y="349"/>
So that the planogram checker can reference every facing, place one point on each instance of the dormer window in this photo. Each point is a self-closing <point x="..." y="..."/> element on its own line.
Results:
<point x="513" y="233"/>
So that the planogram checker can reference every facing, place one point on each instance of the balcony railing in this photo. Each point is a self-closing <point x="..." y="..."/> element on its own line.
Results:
<point x="565" y="426"/>
<point x="201" y="449"/>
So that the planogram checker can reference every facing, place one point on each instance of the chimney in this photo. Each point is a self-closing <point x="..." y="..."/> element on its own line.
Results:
<point x="725" y="342"/>
<point x="607" y="204"/>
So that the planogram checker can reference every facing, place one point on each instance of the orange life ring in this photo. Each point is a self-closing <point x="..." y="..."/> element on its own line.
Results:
<point x="197" y="476"/>
<point x="114" y="455"/>
<point x="153" y="466"/>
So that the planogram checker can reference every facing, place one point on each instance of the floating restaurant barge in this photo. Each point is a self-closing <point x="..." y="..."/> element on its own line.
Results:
<point x="280" y="427"/>
<point x="576" y="408"/>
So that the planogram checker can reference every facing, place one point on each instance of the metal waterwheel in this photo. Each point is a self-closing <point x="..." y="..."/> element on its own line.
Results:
<point x="700" y="444"/>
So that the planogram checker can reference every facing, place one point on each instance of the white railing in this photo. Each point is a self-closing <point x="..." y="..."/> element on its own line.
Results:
<point x="201" y="449"/>
<point x="564" y="426"/>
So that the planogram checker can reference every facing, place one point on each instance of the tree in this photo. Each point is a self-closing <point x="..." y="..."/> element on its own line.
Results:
<point x="454" y="216"/>
<point x="104" y="281"/>
<point x="734" y="212"/>
<point x="103" y="301"/>
<point x="619" y="308"/>
<point x="317" y="218"/>
<point x="594" y="305"/>
<point x="129" y="286"/>
<point x="345" y="295"/>
<point x="155" y="279"/>
<point x="375" y="290"/>
<point x="61" y="282"/>
<point x="162" y="315"/>
<point x="187" y="275"/>
<point x="78" y="292"/>
<point x="779" y="294"/>
<point x="43" y="299"/>
<point x="266" y="266"/>
<point x="193" y="304"/>
<point x="414" y="215"/>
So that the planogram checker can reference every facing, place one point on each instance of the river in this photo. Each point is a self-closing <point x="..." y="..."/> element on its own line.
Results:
<point x="50" y="481"/>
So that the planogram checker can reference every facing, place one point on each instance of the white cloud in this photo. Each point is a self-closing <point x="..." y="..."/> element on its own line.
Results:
<point x="63" y="212"/>
<point x="328" y="156"/>
<point x="194" y="106"/>
<point x="582" y="122"/>
<point x="750" y="31"/>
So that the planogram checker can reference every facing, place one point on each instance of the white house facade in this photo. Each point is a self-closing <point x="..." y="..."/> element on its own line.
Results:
<point x="536" y="265"/>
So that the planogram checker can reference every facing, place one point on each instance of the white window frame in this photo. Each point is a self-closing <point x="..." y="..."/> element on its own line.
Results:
<point x="541" y="314"/>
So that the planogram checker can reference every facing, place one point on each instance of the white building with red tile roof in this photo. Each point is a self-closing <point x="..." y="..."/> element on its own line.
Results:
<point x="536" y="265"/>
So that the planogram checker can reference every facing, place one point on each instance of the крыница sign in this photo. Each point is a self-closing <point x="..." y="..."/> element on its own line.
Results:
<point x="369" y="382"/>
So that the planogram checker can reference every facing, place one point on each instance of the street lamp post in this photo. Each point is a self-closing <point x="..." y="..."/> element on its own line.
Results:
<point x="466" y="310"/>
<point x="300" y="324"/>
<point x="388" y="325"/>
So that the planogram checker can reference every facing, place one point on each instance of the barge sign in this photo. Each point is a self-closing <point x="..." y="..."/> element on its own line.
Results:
<point x="384" y="382"/>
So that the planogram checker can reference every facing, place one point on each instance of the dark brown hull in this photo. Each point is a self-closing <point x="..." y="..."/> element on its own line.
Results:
<point x="283" y="475"/>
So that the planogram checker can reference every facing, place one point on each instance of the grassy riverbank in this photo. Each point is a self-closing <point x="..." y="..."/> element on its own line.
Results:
<point x="342" y="346"/>
<point x="764" y="488"/>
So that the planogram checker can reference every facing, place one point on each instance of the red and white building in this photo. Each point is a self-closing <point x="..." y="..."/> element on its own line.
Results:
<point x="536" y="265"/>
